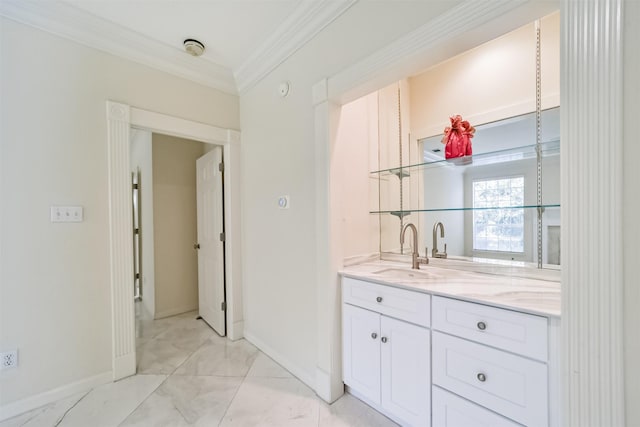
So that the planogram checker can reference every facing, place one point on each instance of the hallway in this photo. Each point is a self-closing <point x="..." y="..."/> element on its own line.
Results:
<point x="189" y="376"/>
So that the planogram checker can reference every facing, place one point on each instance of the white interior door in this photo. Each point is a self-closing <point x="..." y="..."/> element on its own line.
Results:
<point x="211" y="247"/>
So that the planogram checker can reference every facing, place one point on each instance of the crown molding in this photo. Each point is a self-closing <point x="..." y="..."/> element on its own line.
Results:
<point x="82" y="27"/>
<point x="306" y="21"/>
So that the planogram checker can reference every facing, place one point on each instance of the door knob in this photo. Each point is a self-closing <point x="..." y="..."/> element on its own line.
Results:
<point x="196" y="246"/>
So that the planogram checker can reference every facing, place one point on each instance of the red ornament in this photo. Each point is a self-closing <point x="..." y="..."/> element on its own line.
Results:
<point x="457" y="138"/>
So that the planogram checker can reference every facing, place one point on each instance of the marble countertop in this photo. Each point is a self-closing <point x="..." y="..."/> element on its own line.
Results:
<point x="538" y="295"/>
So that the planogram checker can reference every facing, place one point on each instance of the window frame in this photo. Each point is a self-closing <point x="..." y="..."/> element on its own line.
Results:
<point x="474" y="212"/>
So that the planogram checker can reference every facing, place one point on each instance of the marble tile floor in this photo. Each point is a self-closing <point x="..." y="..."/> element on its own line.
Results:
<point x="189" y="376"/>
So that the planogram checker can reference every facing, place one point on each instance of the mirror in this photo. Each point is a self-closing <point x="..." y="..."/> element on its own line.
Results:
<point x="487" y="202"/>
<point x="492" y="204"/>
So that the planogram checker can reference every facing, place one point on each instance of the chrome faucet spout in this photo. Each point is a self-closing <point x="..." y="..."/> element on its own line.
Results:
<point x="434" y="252"/>
<point x="415" y="256"/>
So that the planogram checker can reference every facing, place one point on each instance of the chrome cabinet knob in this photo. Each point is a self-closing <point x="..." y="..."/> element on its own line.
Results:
<point x="196" y="246"/>
<point x="481" y="377"/>
<point x="383" y="339"/>
<point x="379" y="299"/>
<point x="374" y="335"/>
<point x="482" y="326"/>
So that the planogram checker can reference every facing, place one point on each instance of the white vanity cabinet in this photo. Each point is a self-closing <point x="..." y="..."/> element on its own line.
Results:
<point x="436" y="361"/>
<point x="495" y="359"/>
<point x="386" y="360"/>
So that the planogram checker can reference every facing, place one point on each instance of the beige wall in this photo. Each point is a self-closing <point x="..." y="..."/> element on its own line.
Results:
<point x="631" y="197"/>
<point x="175" y="224"/>
<point x="355" y="155"/>
<point x="490" y="82"/>
<point x="55" y="286"/>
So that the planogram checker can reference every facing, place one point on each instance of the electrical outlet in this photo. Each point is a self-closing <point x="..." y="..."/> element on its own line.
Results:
<point x="9" y="359"/>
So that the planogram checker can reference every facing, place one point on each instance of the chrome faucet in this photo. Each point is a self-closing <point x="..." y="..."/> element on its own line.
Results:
<point x="416" y="260"/>
<point x="434" y="251"/>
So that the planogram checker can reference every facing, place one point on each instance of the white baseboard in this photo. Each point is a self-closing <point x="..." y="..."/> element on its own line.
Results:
<point x="16" y="408"/>
<point x="295" y="370"/>
<point x="174" y="311"/>
<point x="236" y="331"/>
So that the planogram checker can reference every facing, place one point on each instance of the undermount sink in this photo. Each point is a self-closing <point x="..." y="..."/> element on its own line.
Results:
<point x="402" y="273"/>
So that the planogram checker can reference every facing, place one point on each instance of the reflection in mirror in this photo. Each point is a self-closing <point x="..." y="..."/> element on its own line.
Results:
<point x="488" y="201"/>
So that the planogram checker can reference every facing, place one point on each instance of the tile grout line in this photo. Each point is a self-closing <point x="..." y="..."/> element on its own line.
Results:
<point x="164" y="381"/>
<point x="244" y="378"/>
<point x="72" y="406"/>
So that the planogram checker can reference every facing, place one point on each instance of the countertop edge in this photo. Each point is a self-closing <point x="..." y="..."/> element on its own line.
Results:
<point x="473" y="299"/>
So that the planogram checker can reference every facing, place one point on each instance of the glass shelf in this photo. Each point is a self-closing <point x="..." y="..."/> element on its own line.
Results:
<point x="550" y="148"/>
<point x="406" y="212"/>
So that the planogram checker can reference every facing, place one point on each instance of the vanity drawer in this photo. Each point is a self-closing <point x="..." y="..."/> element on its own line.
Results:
<point x="519" y="333"/>
<point x="414" y="307"/>
<point x="510" y="385"/>
<point x="450" y="410"/>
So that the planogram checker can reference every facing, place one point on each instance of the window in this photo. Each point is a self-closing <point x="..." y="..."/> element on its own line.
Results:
<point x="500" y="228"/>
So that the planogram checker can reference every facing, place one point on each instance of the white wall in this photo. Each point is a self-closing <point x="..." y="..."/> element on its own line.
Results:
<point x="142" y="160"/>
<point x="278" y="153"/>
<point x="55" y="292"/>
<point x="631" y="197"/>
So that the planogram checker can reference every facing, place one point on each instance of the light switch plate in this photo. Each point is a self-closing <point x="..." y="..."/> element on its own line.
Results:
<point x="67" y="214"/>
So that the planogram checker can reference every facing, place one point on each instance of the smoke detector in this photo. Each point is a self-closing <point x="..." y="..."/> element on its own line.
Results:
<point x="193" y="47"/>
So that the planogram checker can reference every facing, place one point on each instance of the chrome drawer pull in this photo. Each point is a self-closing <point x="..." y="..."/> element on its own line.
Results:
<point x="482" y="326"/>
<point x="383" y="339"/>
<point x="482" y="377"/>
<point x="374" y="335"/>
<point x="379" y="299"/>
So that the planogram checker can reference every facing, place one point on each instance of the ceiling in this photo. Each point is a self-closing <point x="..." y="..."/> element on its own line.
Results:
<point x="244" y="39"/>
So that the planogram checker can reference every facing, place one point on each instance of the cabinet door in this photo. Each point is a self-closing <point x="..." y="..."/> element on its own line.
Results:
<point x="406" y="373"/>
<point x="361" y="351"/>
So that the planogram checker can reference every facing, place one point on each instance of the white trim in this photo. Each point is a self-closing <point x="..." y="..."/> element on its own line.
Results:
<point x="174" y="126"/>
<point x="82" y="27"/>
<point x="592" y="212"/>
<point x="120" y="247"/>
<point x="306" y="21"/>
<point x="120" y="119"/>
<point x="50" y="396"/>
<point x="293" y="369"/>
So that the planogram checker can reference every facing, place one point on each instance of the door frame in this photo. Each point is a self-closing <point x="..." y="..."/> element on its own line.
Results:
<point x="120" y="119"/>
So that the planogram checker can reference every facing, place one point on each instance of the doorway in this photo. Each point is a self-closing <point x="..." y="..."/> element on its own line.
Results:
<point x="178" y="221"/>
<point x="121" y="118"/>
